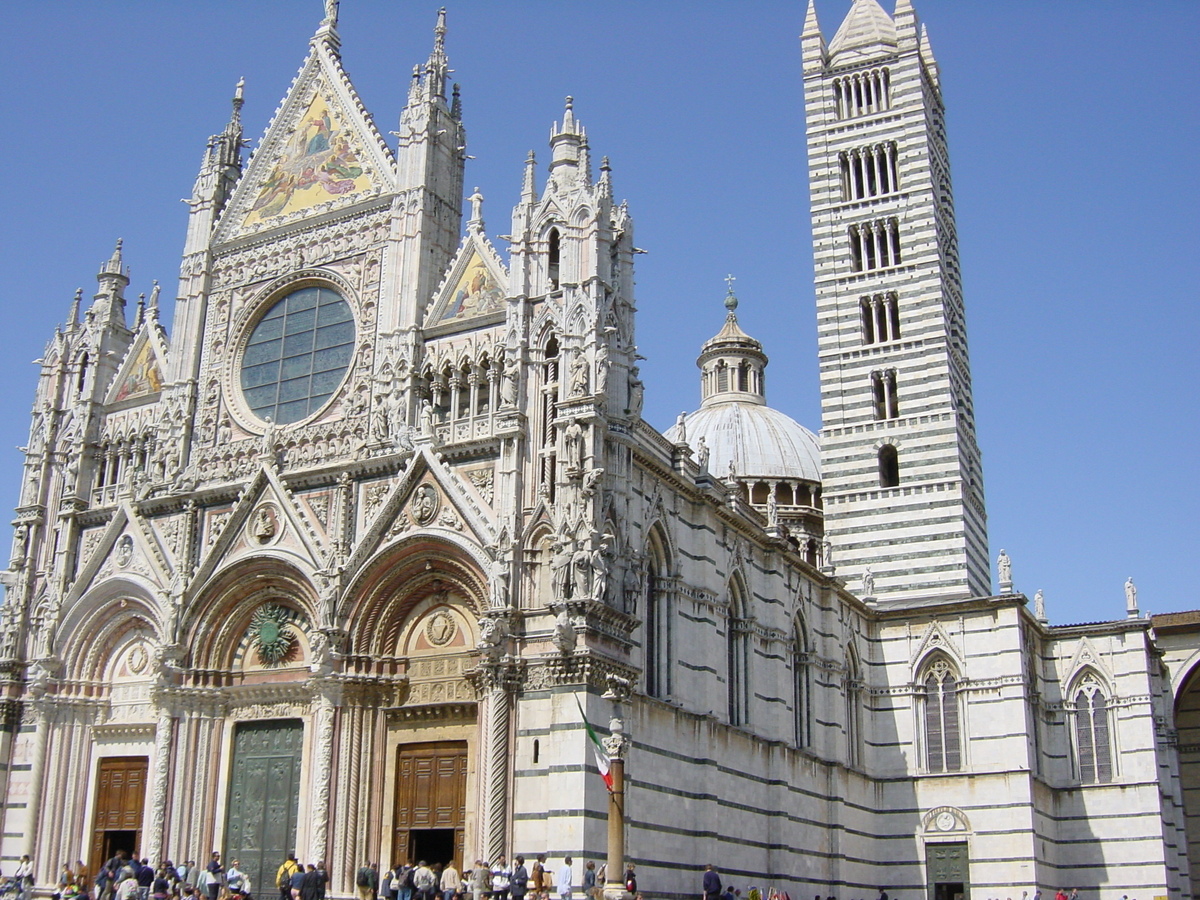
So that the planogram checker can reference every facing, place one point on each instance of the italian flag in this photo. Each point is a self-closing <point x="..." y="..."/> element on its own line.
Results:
<point x="597" y="748"/>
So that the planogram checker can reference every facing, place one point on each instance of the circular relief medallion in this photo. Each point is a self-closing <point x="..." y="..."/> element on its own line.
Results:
<point x="425" y="504"/>
<point x="124" y="552"/>
<point x="138" y="660"/>
<point x="297" y="354"/>
<point x="264" y="525"/>
<point x="440" y="628"/>
<point x="945" y="821"/>
<point x="268" y="630"/>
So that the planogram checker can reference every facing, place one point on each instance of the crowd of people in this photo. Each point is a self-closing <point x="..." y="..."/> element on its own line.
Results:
<point x="499" y="880"/>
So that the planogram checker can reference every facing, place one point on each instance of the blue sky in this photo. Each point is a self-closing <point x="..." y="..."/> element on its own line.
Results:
<point x="1073" y="131"/>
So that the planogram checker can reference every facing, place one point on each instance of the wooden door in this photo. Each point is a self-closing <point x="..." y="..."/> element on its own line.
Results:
<point x="264" y="797"/>
<point x="431" y="795"/>
<point x="120" y="806"/>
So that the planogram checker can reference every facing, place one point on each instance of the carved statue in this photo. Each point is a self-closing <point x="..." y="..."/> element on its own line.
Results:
<point x="602" y="365"/>
<point x="637" y="394"/>
<point x="681" y="429"/>
<point x="264" y="525"/>
<point x="581" y="569"/>
<point x="493" y="632"/>
<point x="590" y="479"/>
<point x="868" y="579"/>
<point x="1004" y="567"/>
<point x="1131" y="604"/>
<point x="573" y="446"/>
<point x="703" y="452"/>
<point x="772" y="509"/>
<point x="600" y="568"/>
<point x="560" y="569"/>
<point x="426" y="418"/>
<point x="564" y="632"/>
<point x="1039" y="605"/>
<point x="498" y="582"/>
<point x="510" y="381"/>
<point x="579" y="374"/>
<point x="381" y="424"/>
<point x="268" y="438"/>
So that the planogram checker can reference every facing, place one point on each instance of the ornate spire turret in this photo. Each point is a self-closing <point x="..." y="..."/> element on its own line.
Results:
<point x="529" y="193"/>
<point x="73" y="314"/>
<point x="732" y="363"/>
<point x="567" y="147"/>
<point x="113" y="278"/>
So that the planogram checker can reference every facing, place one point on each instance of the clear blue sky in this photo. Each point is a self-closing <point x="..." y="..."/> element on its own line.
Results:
<point x="1073" y="135"/>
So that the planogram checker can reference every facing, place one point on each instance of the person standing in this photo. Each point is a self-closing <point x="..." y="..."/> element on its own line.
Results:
<point x="589" y="880"/>
<point x="237" y="880"/>
<point x="424" y="882"/>
<point x="481" y="880"/>
<point x="24" y="876"/>
<point x="388" y="885"/>
<point x="711" y="883"/>
<point x="540" y="878"/>
<point x="283" y="876"/>
<point x="450" y="881"/>
<point x="501" y="877"/>
<point x="630" y="880"/>
<point x="367" y="881"/>
<point x="216" y="876"/>
<point x="565" y="877"/>
<point x="518" y="883"/>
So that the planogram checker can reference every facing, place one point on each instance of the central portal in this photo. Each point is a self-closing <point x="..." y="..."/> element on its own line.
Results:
<point x="264" y="793"/>
<point x="431" y="796"/>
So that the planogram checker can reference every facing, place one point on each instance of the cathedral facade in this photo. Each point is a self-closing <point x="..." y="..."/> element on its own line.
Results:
<point x="341" y="561"/>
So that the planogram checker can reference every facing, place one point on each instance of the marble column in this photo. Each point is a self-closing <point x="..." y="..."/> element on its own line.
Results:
<point x="155" y="840"/>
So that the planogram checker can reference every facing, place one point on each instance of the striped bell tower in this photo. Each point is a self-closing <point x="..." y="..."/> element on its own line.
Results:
<point x="902" y="477"/>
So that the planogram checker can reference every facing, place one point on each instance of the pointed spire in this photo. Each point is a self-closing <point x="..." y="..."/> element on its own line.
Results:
<point x="812" y="42"/>
<point x="585" y="160"/>
<point x="565" y="143"/>
<point x="475" y="223"/>
<point x="140" y="315"/>
<point x="456" y="103"/>
<point x="568" y="126"/>
<point x="866" y="26"/>
<point x="529" y="186"/>
<point x="905" y="18"/>
<point x="438" y="65"/>
<point x="439" y="32"/>
<point x="926" y="51"/>
<point x="605" y="182"/>
<point x="113" y="277"/>
<point x="73" y="314"/>
<point x="228" y="145"/>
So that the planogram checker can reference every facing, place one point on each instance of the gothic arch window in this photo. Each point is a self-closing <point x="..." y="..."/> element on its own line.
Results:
<point x="941" y="719"/>
<point x="801" y="686"/>
<point x="1093" y="743"/>
<point x="889" y="466"/>
<point x="83" y="368"/>
<point x="553" y="258"/>
<point x="547" y="454"/>
<point x="737" y="654"/>
<point x="658" y="649"/>
<point x="853" y="689"/>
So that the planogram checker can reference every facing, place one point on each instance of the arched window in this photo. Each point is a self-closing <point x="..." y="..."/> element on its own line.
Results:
<point x="889" y="466"/>
<point x="83" y="367"/>
<point x="801" y="700"/>
<point x="853" y="687"/>
<point x="658" y="623"/>
<point x="737" y="646"/>
<point x="1092" y="745"/>
<point x="553" y="258"/>
<point x="943" y="741"/>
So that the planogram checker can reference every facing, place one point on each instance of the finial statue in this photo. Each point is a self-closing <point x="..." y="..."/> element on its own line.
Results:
<point x="1039" y="605"/>
<point x="331" y="12"/>
<point x="1131" y="604"/>
<point x="868" y="579"/>
<point x="731" y="300"/>
<point x="703" y="452"/>
<point x="681" y="428"/>
<point x="1004" y="567"/>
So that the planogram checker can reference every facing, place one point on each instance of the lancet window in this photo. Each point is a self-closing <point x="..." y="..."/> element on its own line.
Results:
<point x="874" y="245"/>
<point x="547" y="453"/>
<point x="862" y="93"/>
<point x="658" y="629"/>
<point x="801" y="688"/>
<point x="869" y="171"/>
<point x="737" y="657"/>
<point x="889" y="466"/>
<point x="1093" y="748"/>
<point x="943" y="736"/>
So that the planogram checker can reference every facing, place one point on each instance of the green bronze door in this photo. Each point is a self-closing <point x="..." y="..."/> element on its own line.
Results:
<point x="948" y="867"/>
<point x="264" y="793"/>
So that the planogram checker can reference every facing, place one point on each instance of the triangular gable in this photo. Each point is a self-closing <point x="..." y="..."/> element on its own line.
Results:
<point x="320" y="152"/>
<point x="128" y="548"/>
<point x="140" y="374"/>
<point x="455" y="509"/>
<point x="473" y="286"/>
<point x="265" y="518"/>
<point x="1086" y="657"/>
<point x="935" y="639"/>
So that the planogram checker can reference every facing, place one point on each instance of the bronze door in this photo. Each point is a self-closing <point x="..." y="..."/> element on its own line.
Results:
<point x="264" y="796"/>
<point x="431" y="795"/>
<point x="120" y="805"/>
<point x="948" y="867"/>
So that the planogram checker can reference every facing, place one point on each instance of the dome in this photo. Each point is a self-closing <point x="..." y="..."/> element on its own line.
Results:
<point x="762" y="442"/>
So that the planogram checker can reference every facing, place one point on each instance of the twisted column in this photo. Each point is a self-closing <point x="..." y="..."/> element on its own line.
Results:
<point x="158" y="785"/>
<point x="322" y="776"/>
<point x="494" y="825"/>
